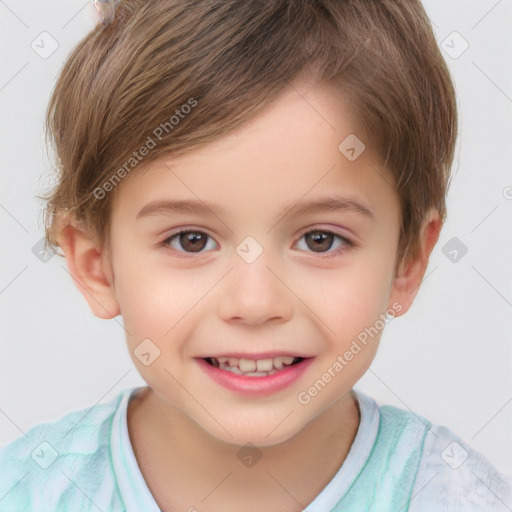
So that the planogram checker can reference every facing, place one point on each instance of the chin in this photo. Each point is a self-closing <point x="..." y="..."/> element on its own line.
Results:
<point x="265" y="432"/>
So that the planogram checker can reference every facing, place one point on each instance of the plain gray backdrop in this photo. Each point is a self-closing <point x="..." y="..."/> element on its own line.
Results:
<point x="448" y="359"/>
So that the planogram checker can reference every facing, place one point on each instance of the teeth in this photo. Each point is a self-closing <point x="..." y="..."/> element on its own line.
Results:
<point x="251" y="367"/>
<point x="264" y="365"/>
<point x="281" y="360"/>
<point x="235" y="369"/>
<point x="247" y="365"/>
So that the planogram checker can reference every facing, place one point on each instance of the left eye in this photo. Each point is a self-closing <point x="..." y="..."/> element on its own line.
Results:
<point x="321" y="241"/>
<point x="316" y="241"/>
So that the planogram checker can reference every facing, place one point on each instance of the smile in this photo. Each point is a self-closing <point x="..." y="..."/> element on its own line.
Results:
<point x="255" y="378"/>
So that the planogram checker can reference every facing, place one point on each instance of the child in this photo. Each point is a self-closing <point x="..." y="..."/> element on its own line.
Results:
<point x="207" y="151"/>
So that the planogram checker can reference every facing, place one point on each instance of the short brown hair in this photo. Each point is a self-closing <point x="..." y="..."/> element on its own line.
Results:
<point x="233" y="57"/>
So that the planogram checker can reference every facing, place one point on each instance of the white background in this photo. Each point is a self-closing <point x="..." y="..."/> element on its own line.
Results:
<point x="448" y="359"/>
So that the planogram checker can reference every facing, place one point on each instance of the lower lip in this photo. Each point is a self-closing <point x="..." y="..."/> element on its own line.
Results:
<point x="256" y="386"/>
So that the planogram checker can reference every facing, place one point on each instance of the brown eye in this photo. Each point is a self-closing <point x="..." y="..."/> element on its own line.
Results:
<point x="188" y="241"/>
<point x="192" y="241"/>
<point x="319" y="241"/>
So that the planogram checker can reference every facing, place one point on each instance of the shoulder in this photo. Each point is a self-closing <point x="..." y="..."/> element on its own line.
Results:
<point x="42" y="469"/>
<point x="388" y="446"/>
<point x="454" y="477"/>
<point x="402" y="431"/>
<point x="432" y="469"/>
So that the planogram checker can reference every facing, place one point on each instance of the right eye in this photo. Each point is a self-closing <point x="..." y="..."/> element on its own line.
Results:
<point x="190" y="241"/>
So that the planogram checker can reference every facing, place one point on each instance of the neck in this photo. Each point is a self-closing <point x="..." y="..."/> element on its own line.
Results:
<point x="174" y="452"/>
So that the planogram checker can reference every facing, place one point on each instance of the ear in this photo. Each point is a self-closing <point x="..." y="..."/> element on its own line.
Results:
<point x="90" y="267"/>
<point x="409" y="275"/>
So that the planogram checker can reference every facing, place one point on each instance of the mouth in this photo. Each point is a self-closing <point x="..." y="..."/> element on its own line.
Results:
<point x="254" y="367"/>
<point x="256" y="377"/>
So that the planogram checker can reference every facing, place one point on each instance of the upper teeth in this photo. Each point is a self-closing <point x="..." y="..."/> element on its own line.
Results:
<point x="252" y="365"/>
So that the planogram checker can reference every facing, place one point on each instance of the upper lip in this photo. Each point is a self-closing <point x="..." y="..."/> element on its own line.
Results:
<point x="258" y="355"/>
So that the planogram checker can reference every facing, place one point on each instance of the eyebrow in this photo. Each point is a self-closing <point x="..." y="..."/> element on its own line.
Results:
<point x="330" y="204"/>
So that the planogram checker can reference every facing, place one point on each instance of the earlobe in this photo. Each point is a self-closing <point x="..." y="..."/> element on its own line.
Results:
<point x="409" y="276"/>
<point x="90" y="269"/>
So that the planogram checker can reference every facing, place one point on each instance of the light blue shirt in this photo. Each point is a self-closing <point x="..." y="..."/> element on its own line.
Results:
<point x="398" y="462"/>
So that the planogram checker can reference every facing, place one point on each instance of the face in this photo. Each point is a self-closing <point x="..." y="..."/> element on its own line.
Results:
<point x="268" y="252"/>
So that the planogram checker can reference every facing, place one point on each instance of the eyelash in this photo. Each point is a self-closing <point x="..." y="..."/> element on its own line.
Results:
<point x="347" y="244"/>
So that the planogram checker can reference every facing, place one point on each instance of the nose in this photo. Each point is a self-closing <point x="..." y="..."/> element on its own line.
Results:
<point x="255" y="293"/>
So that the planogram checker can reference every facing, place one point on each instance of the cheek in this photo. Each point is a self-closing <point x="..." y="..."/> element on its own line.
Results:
<point x="353" y="299"/>
<point x="156" y="301"/>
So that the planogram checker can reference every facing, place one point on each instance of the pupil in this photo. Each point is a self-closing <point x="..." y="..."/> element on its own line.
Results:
<point x="320" y="240"/>
<point x="191" y="241"/>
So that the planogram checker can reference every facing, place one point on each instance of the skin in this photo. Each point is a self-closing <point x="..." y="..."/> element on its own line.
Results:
<point x="185" y="429"/>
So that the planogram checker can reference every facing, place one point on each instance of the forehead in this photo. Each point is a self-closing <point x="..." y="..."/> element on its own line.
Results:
<point x="289" y="151"/>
